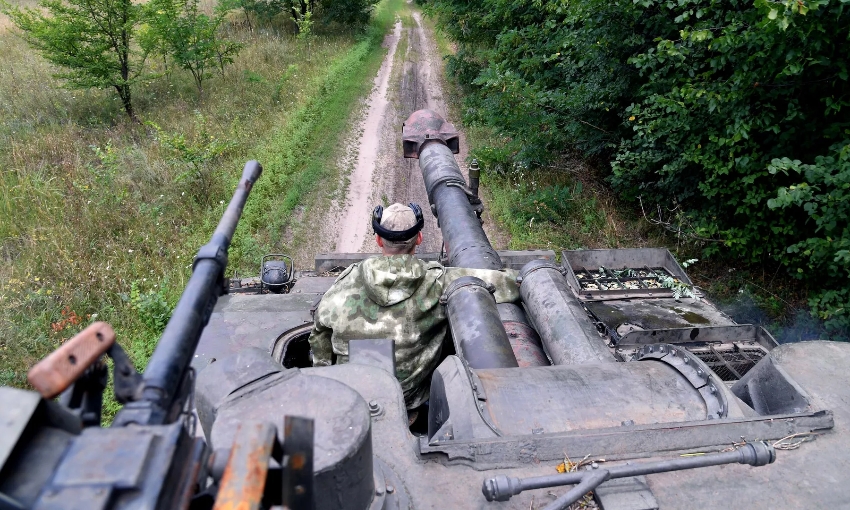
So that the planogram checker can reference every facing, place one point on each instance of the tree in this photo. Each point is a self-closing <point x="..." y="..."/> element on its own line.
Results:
<point x="90" y="40"/>
<point x="190" y="37"/>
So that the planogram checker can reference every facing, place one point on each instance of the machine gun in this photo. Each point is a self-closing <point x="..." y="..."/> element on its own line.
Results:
<point x="56" y="455"/>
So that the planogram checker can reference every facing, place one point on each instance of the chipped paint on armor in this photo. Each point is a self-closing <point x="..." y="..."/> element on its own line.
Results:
<point x="395" y="297"/>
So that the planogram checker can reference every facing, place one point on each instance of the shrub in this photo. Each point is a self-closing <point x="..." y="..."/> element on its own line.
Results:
<point x="690" y="101"/>
<point x="822" y="257"/>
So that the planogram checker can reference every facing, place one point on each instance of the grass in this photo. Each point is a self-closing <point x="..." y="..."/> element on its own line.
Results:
<point x="100" y="217"/>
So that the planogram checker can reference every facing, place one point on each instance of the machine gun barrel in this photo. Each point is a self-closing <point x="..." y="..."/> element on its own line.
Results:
<point x="173" y="355"/>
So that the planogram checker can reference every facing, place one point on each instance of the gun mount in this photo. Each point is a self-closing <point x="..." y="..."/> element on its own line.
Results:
<point x="605" y="373"/>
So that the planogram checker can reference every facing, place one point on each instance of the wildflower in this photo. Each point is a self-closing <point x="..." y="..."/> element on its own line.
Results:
<point x="632" y="118"/>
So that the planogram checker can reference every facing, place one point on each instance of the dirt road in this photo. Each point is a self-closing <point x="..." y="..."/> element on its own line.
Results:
<point x="408" y="80"/>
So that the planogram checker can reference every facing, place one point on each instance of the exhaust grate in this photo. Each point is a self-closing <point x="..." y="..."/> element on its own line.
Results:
<point x="730" y="364"/>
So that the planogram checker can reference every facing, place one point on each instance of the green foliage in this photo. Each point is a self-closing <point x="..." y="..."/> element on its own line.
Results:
<point x="91" y="41"/>
<point x="66" y="243"/>
<point x="195" y="155"/>
<point x="550" y="203"/>
<point x="178" y="29"/>
<point x="296" y="157"/>
<point x="283" y="81"/>
<point x="103" y="185"/>
<point x="548" y="75"/>
<point x="823" y="255"/>
<point x="152" y="306"/>
<point x="347" y="12"/>
<point x="304" y="22"/>
<point x="690" y="100"/>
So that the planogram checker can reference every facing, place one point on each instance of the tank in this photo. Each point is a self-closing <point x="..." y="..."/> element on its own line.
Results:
<point x="613" y="384"/>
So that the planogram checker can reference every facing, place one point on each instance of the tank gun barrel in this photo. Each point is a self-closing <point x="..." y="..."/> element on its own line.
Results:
<point x="434" y="142"/>
<point x="167" y="368"/>
<point x="429" y="138"/>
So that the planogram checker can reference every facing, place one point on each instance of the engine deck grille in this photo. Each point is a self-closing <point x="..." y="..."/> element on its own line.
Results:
<point x="730" y="364"/>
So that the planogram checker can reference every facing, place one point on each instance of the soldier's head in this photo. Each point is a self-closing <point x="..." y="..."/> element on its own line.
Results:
<point x="398" y="228"/>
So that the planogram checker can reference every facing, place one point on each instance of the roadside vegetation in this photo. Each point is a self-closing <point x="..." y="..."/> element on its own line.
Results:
<point x="719" y="129"/>
<point x="102" y="209"/>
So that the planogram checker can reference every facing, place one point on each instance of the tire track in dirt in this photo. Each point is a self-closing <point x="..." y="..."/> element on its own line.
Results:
<point x="416" y="85"/>
<point x="400" y="179"/>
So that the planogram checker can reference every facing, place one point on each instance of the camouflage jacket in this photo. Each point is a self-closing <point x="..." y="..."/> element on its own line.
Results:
<point x="395" y="297"/>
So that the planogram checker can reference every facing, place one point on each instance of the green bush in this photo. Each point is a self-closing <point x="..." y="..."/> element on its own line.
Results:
<point x="689" y="100"/>
<point x="823" y="255"/>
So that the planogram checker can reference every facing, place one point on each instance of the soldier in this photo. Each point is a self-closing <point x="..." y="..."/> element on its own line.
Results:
<point x="396" y="296"/>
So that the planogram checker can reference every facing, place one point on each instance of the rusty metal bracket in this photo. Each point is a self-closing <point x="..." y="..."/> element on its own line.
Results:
<point x="55" y="373"/>
<point x="298" y="456"/>
<point x="244" y="479"/>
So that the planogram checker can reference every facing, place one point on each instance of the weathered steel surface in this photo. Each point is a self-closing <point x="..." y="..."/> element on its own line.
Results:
<point x="561" y="398"/>
<point x="626" y="442"/>
<point x="567" y="334"/>
<point x="627" y="318"/>
<point x="815" y="475"/>
<point x="244" y="479"/>
<point x="148" y="465"/>
<point x="631" y="493"/>
<point x="477" y="330"/>
<point x="525" y="341"/>
<point x="166" y="371"/>
<point x="464" y="240"/>
<point x="312" y="285"/>
<point x="19" y="407"/>
<point x="245" y="320"/>
<point x="525" y="344"/>
<point x="248" y="388"/>
<point x="374" y="352"/>
<point x="298" y="452"/>
<point x="632" y="258"/>
<point x="502" y="488"/>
